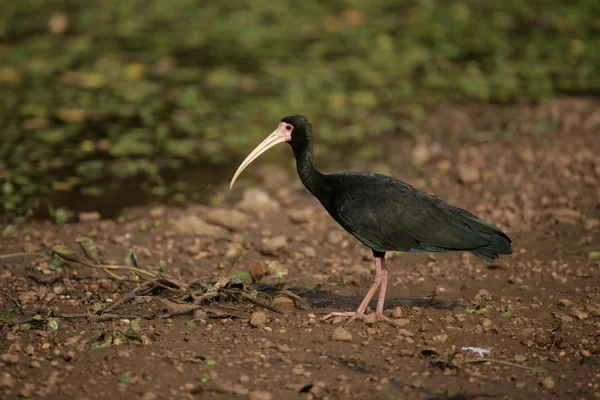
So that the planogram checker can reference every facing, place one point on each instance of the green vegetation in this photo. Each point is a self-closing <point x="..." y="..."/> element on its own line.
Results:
<point x="99" y="91"/>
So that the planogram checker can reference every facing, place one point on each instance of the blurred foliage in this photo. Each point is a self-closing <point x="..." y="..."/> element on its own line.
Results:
<point x="97" y="90"/>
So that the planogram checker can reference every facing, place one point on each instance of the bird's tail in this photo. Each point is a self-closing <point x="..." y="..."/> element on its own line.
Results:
<point x="499" y="244"/>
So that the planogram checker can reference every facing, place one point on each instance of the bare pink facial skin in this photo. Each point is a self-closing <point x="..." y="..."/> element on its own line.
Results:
<point x="282" y="134"/>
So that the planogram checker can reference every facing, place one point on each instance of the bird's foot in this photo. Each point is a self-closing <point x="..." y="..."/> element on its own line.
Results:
<point x="355" y="315"/>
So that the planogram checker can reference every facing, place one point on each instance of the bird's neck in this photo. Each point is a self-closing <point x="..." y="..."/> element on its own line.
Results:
<point x="305" y="163"/>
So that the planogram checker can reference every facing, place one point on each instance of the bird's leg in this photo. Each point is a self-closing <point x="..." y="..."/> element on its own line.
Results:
<point x="382" y="289"/>
<point x="380" y="274"/>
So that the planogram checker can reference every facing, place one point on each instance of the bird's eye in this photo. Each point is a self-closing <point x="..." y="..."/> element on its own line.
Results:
<point x="288" y="127"/>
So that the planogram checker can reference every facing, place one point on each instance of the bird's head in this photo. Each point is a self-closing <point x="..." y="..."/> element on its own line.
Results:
<point x="295" y="130"/>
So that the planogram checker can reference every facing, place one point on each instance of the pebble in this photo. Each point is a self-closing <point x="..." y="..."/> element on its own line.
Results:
<point x="30" y="350"/>
<point x="157" y="212"/>
<point x="231" y="219"/>
<point x="397" y="312"/>
<point x="309" y="252"/>
<point x="260" y="395"/>
<point x="341" y="335"/>
<point x="579" y="314"/>
<point x="334" y="237"/>
<point x="565" y="303"/>
<point x="258" y="318"/>
<point x="89" y="216"/>
<point x="370" y="319"/>
<point x="468" y="174"/>
<point x="528" y="331"/>
<point x="400" y="322"/>
<point x="440" y="338"/>
<point x="405" y="333"/>
<point x="283" y="303"/>
<point x="273" y="246"/>
<point x="487" y="323"/>
<point x="302" y="215"/>
<point x="191" y="225"/>
<point x="548" y="383"/>
<point x="9" y="359"/>
<point x="7" y="381"/>
<point x="257" y="200"/>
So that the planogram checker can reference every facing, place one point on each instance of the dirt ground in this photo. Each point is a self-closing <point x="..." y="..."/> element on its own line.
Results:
<point x="533" y="171"/>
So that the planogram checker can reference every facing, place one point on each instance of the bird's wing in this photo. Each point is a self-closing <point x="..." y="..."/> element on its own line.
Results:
<point x="390" y="215"/>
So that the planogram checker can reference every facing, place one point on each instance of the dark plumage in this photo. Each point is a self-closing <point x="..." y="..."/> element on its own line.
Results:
<point x="384" y="213"/>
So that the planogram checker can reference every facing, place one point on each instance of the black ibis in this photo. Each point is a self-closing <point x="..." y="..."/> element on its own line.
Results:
<point x="383" y="213"/>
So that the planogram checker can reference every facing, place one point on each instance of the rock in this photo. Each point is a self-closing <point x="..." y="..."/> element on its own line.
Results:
<point x="468" y="174"/>
<point x="15" y="348"/>
<point x="231" y="219"/>
<point x="558" y="278"/>
<point x="30" y="350"/>
<point x="400" y="322"/>
<point x="309" y="252"/>
<point x="234" y="250"/>
<point x="283" y="303"/>
<point x="257" y="270"/>
<point x="257" y="200"/>
<point x="58" y="290"/>
<point x="341" y="335"/>
<point x="9" y="359"/>
<point x="548" y="383"/>
<point x="397" y="312"/>
<point x="528" y="331"/>
<point x="195" y="226"/>
<point x="591" y="224"/>
<point x="405" y="333"/>
<point x="149" y="396"/>
<point x="593" y="309"/>
<point x="440" y="338"/>
<point x="258" y="318"/>
<point x="370" y="319"/>
<point x="334" y="237"/>
<point x="26" y="297"/>
<point x="565" y="215"/>
<point x="260" y="395"/>
<point x="89" y="216"/>
<point x="578" y="314"/>
<point x="483" y="295"/>
<point x="302" y="215"/>
<point x="7" y="381"/>
<point x="565" y="303"/>
<point x="273" y="246"/>
<point x="486" y="323"/>
<point x="157" y="213"/>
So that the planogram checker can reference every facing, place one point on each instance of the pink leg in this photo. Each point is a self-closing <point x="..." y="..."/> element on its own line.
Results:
<point x="381" y="275"/>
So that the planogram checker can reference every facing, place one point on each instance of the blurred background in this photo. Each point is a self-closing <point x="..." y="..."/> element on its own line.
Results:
<point x="111" y="103"/>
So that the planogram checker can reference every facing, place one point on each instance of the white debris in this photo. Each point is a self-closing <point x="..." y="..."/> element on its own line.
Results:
<point x="479" y="350"/>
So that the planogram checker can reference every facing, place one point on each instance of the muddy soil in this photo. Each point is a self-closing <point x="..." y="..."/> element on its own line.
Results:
<point x="526" y="325"/>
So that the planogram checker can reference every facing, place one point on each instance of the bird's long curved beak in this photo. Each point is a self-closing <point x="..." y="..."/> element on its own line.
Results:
<point x="280" y="135"/>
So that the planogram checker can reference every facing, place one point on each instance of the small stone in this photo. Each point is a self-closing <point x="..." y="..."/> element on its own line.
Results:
<point x="298" y="370"/>
<point x="528" y="331"/>
<point x="335" y="237"/>
<point x="566" y="303"/>
<point x="405" y="333"/>
<point x="440" y="338"/>
<point x="7" y="381"/>
<point x="397" y="313"/>
<point x="400" y="322"/>
<point x="15" y="348"/>
<point x="191" y="225"/>
<point x="257" y="201"/>
<point x="579" y="314"/>
<point x="558" y="278"/>
<point x="370" y="319"/>
<point x="30" y="350"/>
<point x="593" y="309"/>
<point x="273" y="246"/>
<point x="244" y="378"/>
<point x="157" y="213"/>
<point x="231" y="219"/>
<point x="468" y="174"/>
<point x="486" y="323"/>
<point x="309" y="252"/>
<point x="89" y="216"/>
<point x="283" y="303"/>
<point x="149" y="396"/>
<point x="301" y="216"/>
<point x="585" y="353"/>
<point x="58" y="290"/>
<point x="337" y="320"/>
<point x="548" y="383"/>
<point x="9" y="359"/>
<point x="341" y="335"/>
<point x="260" y="395"/>
<point x="258" y="318"/>
<point x="483" y="295"/>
